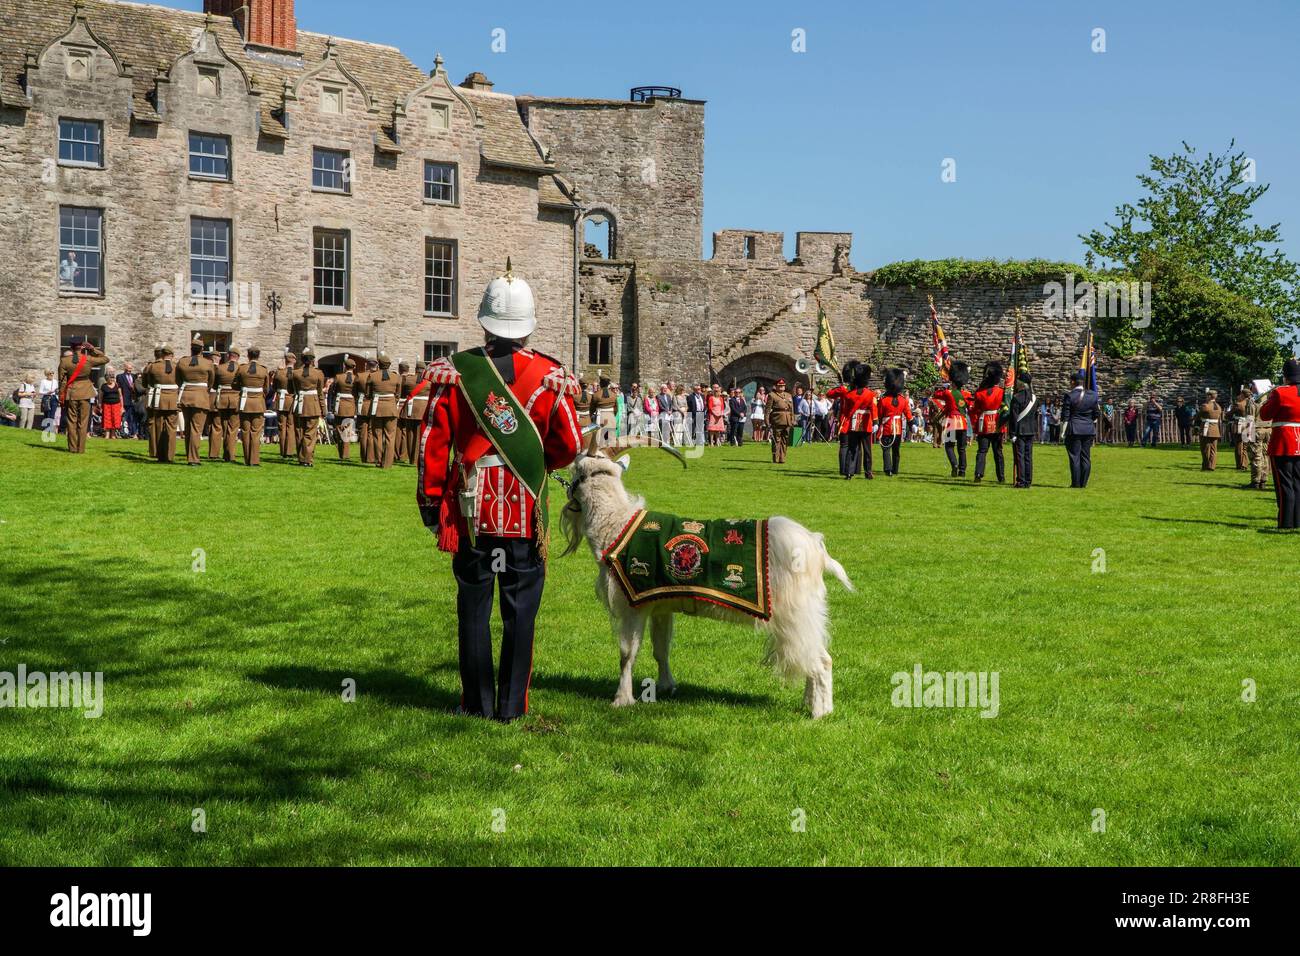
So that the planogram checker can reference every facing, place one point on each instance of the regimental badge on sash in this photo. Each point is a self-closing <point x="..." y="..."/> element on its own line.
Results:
<point x="686" y="556"/>
<point x="735" y="576"/>
<point x="694" y="527"/>
<point x="498" y="412"/>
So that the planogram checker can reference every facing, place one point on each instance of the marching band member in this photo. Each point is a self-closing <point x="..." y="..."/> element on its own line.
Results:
<point x="895" y="410"/>
<point x="952" y="400"/>
<point x="986" y="412"/>
<point x="848" y="395"/>
<point x="1282" y="408"/>
<point x="500" y="418"/>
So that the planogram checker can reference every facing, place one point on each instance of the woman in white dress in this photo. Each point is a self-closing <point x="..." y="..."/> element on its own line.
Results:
<point x="758" y="414"/>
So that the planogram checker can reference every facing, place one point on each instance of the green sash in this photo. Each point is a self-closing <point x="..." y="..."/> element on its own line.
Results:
<point x="507" y="426"/>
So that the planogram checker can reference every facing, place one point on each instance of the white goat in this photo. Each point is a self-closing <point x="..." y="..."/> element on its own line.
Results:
<point x="599" y="508"/>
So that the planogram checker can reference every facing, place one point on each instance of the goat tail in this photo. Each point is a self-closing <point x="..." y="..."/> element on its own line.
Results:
<point x="834" y="567"/>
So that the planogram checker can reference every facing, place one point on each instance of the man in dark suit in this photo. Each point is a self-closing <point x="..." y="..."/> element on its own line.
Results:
<point x="696" y="409"/>
<point x="126" y="382"/>
<point x="1079" y="411"/>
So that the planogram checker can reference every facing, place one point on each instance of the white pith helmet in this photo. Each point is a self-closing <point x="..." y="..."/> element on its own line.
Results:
<point x="508" y="310"/>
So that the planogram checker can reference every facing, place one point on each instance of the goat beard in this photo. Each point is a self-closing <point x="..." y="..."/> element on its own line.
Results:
<point x="571" y="526"/>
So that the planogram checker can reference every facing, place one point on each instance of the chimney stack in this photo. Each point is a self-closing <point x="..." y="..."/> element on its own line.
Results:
<point x="268" y="23"/>
<point x="477" y="81"/>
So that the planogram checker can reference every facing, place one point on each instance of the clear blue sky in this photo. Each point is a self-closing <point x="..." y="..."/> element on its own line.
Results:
<point x="1047" y="135"/>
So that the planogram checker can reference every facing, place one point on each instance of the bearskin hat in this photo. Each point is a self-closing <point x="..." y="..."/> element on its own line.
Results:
<point x="992" y="375"/>
<point x="894" y="381"/>
<point x="959" y="373"/>
<point x="862" y="375"/>
<point x="1291" y="371"/>
<point x="849" y="371"/>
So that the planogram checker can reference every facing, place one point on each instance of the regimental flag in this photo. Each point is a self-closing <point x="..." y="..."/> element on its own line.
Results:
<point x="942" y="357"/>
<point x="825" y="349"/>
<point x="1088" y="364"/>
<point x="1018" y="364"/>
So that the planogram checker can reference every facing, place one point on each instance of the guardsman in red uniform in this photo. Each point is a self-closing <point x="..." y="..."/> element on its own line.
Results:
<point x="952" y="400"/>
<point x="849" y="396"/>
<point x="1282" y="408"/>
<point x="895" y="412"/>
<point x="986" y="413"/>
<point x="500" y="418"/>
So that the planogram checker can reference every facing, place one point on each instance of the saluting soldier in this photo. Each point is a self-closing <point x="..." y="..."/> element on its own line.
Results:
<point x="76" y="390"/>
<point x="281" y="387"/>
<point x="196" y="377"/>
<point x="500" y="418"/>
<point x="1209" y="416"/>
<point x="344" y="391"/>
<point x="385" y="388"/>
<point x="225" y="416"/>
<point x="363" y="411"/>
<point x="780" y="416"/>
<point x="414" y="403"/>
<point x="161" y="396"/>
<point x="308" y="386"/>
<point x="250" y="380"/>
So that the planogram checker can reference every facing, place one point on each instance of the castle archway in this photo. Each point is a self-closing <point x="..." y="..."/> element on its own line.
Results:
<point x="759" y="368"/>
<point x="599" y="233"/>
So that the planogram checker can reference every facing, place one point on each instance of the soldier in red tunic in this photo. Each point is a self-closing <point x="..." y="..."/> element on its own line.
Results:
<point x="847" y="395"/>
<point x="895" y="410"/>
<point x="986" y="413"/>
<point x="500" y="418"/>
<point x="952" y="399"/>
<point x="1282" y="408"/>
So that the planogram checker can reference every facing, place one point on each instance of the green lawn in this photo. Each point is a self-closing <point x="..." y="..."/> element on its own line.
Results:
<point x="1119" y="691"/>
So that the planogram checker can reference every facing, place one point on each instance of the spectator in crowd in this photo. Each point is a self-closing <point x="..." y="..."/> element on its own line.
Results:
<point x="131" y="420"/>
<point x="635" y="409"/>
<point x="758" y="413"/>
<point x="1044" y="421"/>
<point x="1131" y="423"/>
<point x="802" y="414"/>
<point x="917" y="432"/>
<point x="1054" y="424"/>
<point x="697" y="409"/>
<point x="47" y="392"/>
<point x="1155" y="414"/>
<point x="717" y="412"/>
<point x="680" y="415"/>
<point x="1107" y="423"/>
<point x="25" y="396"/>
<point x="664" y="413"/>
<point x="737" y="412"/>
<point x="1185" y="415"/>
<point x="110" y="403"/>
<point x="821" y="414"/>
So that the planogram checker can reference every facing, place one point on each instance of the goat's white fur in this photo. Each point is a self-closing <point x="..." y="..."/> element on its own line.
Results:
<point x="797" y="635"/>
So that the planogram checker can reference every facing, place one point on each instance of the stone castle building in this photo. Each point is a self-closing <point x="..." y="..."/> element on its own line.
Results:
<point x="165" y="173"/>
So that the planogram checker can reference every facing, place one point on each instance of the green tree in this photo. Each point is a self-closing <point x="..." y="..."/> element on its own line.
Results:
<point x="1197" y="213"/>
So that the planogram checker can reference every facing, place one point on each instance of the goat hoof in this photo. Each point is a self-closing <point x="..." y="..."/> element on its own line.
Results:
<point x="666" y="690"/>
<point x="622" y="701"/>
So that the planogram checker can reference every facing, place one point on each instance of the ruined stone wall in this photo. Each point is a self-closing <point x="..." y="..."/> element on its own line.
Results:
<point x="607" y="301"/>
<point x="148" y="198"/>
<point x="644" y="162"/>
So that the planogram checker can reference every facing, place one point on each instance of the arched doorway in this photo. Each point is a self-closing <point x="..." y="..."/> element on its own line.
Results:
<point x="759" y="368"/>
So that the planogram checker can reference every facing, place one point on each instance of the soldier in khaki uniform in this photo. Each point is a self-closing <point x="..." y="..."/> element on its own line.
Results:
<point x="344" y="392"/>
<point x="160" y="397"/>
<point x="408" y="385"/>
<point x="250" y="385"/>
<point x="281" y="387"/>
<point x="780" y="417"/>
<point x="142" y="390"/>
<point x="383" y="394"/>
<point x="76" y="390"/>
<point x="1257" y="437"/>
<point x="1209" y="417"/>
<point x="195" y="376"/>
<point x="225" y="416"/>
<point x="308" y="387"/>
<point x="363" y="409"/>
<point x="417" y="400"/>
